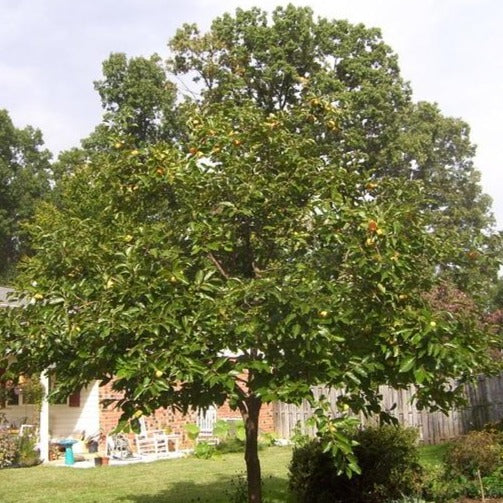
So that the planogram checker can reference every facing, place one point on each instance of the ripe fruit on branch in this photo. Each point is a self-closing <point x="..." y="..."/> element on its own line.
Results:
<point x="372" y="226"/>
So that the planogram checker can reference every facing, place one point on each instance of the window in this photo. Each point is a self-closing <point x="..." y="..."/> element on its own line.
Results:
<point x="23" y="391"/>
<point x="73" y="400"/>
<point x="12" y="395"/>
<point x="31" y="390"/>
<point x="9" y="392"/>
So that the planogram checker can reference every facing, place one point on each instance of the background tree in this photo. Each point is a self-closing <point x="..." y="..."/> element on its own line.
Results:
<point x="262" y="252"/>
<point x="494" y="317"/>
<point x="139" y="108"/>
<point x="24" y="180"/>
<point x="138" y="101"/>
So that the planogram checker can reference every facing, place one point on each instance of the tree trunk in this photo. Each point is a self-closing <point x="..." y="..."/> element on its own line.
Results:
<point x="250" y="413"/>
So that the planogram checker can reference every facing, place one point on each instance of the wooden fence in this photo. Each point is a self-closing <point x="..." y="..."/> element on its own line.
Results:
<point x="484" y="404"/>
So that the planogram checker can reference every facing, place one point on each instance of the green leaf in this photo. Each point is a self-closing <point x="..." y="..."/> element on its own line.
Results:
<point x="407" y="364"/>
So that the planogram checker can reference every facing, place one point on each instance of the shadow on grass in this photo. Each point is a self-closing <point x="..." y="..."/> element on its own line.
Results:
<point x="223" y="490"/>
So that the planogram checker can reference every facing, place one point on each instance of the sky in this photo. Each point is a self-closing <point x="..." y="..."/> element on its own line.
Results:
<point x="51" y="52"/>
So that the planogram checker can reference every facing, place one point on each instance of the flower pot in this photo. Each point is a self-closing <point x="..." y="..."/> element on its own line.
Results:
<point x="105" y="460"/>
<point x="98" y="461"/>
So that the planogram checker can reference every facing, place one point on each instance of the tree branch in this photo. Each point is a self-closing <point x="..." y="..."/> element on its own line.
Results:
<point x="218" y="266"/>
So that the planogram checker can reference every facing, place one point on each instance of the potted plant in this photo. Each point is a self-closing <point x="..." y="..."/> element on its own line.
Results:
<point x="92" y="442"/>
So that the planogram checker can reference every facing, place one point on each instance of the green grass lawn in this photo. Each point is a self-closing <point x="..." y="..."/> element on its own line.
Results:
<point x="174" y="481"/>
<point x="432" y="455"/>
<point x="187" y="480"/>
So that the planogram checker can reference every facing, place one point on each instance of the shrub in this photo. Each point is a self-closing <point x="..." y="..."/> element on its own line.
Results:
<point x="192" y="431"/>
<point x="312" y="473"/>
<point x="268" y="439"/>
<point x="237" y="444"/>
<point x="494" y="427"/>
<point x="441" y="489"/>
<point x="204" y="450"/>
<point x="232" y="436"/>
<point x="388" y="458"/>
<point x="221" y="430"/>
<point x="232" y="444"/>
<point x="409" y="499"/>
<point x="493" y="484"/>
<point x="8" y="449"/>
<point x="27" y="454"/>
<point x="477" y="450"/>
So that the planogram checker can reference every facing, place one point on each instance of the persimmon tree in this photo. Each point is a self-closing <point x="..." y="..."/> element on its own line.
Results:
<point x="277" y="60"/>
<point x="256" y="257"/>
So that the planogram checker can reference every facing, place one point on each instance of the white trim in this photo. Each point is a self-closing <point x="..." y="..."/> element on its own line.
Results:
<point x="44" y="419"/>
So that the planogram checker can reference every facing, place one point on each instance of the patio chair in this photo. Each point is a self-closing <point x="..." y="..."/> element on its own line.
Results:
<point x="155" y="442"/>
<point x="26" y="429"/>
<point x="117" y="446"/>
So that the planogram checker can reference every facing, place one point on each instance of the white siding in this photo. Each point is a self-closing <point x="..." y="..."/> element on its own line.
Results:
<point x="19" y="414"/>
<point x="65" y="421"/>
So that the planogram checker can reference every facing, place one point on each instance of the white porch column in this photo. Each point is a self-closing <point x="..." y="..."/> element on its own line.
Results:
<point x="44" y="419"/>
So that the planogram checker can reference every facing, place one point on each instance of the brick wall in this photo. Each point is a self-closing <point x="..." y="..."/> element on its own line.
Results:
<point x="174" y="420"/>
<point x="266" y="420"/>
<point x="109" y="417"/>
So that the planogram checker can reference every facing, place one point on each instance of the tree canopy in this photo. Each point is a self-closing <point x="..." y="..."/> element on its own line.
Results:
<point x="137" y="98"/>
<point x="277" y="64"/>
<point x="24" y="179"/>
<point x="139" y="106"/>
<point x="293" y="235"/>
